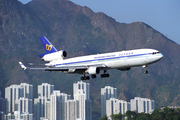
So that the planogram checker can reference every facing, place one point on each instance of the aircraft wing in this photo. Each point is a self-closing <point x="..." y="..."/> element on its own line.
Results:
<point x="63" y="69"/>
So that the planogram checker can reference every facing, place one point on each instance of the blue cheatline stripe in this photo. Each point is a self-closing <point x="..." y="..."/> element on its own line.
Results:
<point x="110" y="59"/>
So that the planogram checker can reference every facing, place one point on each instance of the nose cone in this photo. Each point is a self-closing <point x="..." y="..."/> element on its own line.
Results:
<point x="158" y="57"/>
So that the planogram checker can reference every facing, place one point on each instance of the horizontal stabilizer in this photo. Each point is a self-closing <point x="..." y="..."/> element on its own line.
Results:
<point x="22" y="66"/>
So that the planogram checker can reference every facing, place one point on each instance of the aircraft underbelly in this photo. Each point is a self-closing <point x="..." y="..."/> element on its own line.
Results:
<point x="114" y="64"/>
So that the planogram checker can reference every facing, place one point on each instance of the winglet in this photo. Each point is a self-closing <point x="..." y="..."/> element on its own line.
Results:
<point x="22" y="65"/>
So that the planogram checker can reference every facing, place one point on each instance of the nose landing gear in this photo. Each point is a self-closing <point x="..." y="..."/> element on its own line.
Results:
<point x="145" y="70"/>
<point x="104" y="75"/>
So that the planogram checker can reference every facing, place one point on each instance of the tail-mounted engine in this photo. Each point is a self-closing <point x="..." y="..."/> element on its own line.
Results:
<point x="53" y="56"/>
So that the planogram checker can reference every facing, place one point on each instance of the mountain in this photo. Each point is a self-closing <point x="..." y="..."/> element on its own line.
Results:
<point x="80" y="31"/>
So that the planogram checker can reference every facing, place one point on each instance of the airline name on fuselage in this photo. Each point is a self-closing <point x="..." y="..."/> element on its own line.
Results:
<point x="113" y="55"/>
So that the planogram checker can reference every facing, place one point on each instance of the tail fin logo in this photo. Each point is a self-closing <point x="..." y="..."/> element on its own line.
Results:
<point x="48" y="47"/>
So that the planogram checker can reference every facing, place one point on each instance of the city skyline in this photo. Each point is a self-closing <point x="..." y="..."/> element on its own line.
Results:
<point x="53" y="105"/>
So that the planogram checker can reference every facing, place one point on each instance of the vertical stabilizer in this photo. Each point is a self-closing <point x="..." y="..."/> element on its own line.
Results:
<point x="49" y="48"/>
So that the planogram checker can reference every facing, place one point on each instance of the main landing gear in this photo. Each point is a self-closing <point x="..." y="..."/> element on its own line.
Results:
<point x="85" y="78"/>
<point x="145" y="71"/>
<point x="104" y="75"/>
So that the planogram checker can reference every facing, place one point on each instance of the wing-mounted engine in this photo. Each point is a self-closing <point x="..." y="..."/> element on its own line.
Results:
<point x="53" y="56"/>
<point x="125" y="69"/>
<point x="93" y="70"/>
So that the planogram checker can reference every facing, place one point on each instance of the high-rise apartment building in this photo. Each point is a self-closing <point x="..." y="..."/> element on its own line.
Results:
<point x="14" y="93"/>
<point x="142" y="105"/>
<point x="71" y="109"/>
<point x="45" y="90"/>
<point x="115" y="106"/>
<point x="44" y="93"/>
<point x="17" y="115"/>
<point x="25" y="105"/>
<point x="106" y="93"/>
<point x="47" y="110"/>
<point x="57" y="105"/>
<point x="39" y="107"/>
<point x="10" y="95"/>
<point x="81" y="92"/>
<point x="18" y="100"/>
<point x="26" y="116"/>
<point x="81" y="86"/>
<point x="25" y="90"/>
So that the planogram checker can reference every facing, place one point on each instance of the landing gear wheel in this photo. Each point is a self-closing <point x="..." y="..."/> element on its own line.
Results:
<point x="82" y="78"/>
<point x="104" y="75"/>
<point x="107" y="75"/>
<point x="145" y="72"/>
<point x="85" y="78"/>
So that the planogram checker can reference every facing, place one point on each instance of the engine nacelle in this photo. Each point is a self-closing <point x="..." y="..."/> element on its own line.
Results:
<point x="93" y="70"/>
<point x="54" y="56"/>
<point x="125" y="69"/>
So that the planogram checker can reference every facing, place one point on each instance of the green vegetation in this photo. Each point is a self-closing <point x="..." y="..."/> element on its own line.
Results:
<point x="158" y="114"/>
<point x="82" y="21"/>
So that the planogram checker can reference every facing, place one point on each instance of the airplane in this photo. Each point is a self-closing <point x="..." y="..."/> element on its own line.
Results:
<point x="93" y="64"/>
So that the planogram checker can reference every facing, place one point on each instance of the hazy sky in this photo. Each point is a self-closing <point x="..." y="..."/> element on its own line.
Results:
<point x="162" y="15"/>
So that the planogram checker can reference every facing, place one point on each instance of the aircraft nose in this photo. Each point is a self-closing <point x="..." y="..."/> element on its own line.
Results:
<point x="160" y="56"/>
<point x="157" y="57"/>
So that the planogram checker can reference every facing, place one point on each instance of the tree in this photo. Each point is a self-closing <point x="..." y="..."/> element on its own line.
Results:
<point x="117" y="116"/>
<point x="104" y="118"/>
<point x="131" y="115"/>
<point x="158" y="114"/>
<point x="143" y="116"/>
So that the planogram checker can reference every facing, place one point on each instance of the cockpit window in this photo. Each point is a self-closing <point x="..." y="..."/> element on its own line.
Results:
<point x="155" y="53"/>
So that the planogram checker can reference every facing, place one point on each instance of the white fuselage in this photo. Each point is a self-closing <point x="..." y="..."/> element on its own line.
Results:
<point x="93" y="64"/>
<point x="113" y="60"/>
